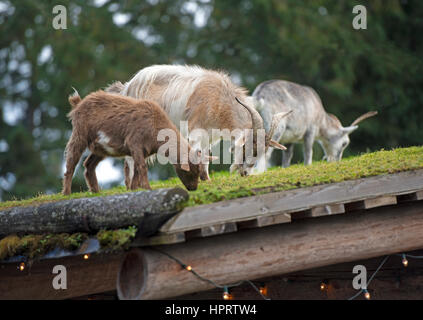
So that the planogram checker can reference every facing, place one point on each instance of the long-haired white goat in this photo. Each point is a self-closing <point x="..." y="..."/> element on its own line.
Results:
<point x="206" y="99"/>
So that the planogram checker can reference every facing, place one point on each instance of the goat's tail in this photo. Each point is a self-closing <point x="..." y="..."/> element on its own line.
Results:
<point x="115" y="87"/>
<point x="74" y="99"/>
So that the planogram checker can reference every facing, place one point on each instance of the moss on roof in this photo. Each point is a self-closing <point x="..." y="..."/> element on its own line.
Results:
<point x="34" y="246"/>
<point x="112" y="240"/>
<point x="225" y="186"/>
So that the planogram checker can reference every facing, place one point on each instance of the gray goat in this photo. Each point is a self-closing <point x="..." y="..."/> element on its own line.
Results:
<point x="307" y="122"/>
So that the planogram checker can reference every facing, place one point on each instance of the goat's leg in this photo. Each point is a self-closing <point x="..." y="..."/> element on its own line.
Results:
<point x="287" y="155"/>
<point x="263" y="161"/>
<point x="127" y="174"/>
<point x="90" y="177"/>
<point x="308" y="148"/>
<point x="261" y="164"/>
<point x="128" y="168"/>
<point x="204" y="167"/>
<point x="74" y="150"/>
<point x="140" y="178"/>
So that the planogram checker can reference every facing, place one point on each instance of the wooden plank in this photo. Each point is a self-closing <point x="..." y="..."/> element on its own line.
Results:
<point x="212" y="230"/>
<point x="94" y="275"/>
<point x="371" y="203"/>
<point x="275" y="250"/>
<point x="245" y="209"/>
<point x="319" y="211"/>
<point x="265" y="221"/>
<point x="159" y="239"/>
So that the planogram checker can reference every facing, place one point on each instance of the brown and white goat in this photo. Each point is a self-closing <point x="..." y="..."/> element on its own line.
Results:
<point x="111" y="125"/>
<point x="206" y="99"/>
<point x="307" y="123"/>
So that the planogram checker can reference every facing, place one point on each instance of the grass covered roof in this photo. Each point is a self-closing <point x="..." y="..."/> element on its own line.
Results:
<point x="225" y="186"/>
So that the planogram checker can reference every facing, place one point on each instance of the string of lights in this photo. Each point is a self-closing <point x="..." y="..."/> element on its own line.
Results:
<point x="366" y="293"/>
<point x="404" y="262"/>
<point x="323" y="286"/>
<point x="262" y="291"/>
<point x="410" y="256"/>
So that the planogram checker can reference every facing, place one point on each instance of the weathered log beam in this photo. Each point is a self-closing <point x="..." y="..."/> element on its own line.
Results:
<point x="392" y="282"/>
<point x="265" y="252"/>
<point x="146" y="209"/>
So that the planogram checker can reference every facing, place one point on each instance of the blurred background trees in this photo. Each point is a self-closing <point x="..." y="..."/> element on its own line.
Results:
<point x="309" y="42"/>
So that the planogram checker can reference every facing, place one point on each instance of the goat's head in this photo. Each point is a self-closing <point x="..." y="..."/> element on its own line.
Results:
<point x="190" y="172"/>
<point x="246" y="167"/>
<point x="336" y="137"/>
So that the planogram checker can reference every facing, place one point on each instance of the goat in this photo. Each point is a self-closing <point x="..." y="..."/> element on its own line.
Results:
<point x="307" y="123"/>
<point x="204" y="98"/>
<point x="118" y="126"/>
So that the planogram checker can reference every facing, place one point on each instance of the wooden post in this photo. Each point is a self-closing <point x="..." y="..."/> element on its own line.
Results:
<point x="270" y="251"/>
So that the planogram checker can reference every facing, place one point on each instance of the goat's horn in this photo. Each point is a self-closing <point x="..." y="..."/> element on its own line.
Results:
<point x="275" y="121"/>
<point x="75" y="93"/>
<point x="256" y="119"/>
<point x="364" y="117"/>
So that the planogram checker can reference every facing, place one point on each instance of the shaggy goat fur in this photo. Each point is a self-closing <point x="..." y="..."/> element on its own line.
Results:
<point x="308" y="122"/>
<point x="118" y="126"/>
<point x="205" y="98"/>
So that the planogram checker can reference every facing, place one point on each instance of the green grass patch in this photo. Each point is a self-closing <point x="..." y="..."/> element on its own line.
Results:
<point x="225" y="186"/>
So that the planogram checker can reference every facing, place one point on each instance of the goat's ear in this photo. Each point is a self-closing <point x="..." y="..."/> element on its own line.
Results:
<point x="208" y="158"/>
<point x="276" y="145"/>
<point x="185" y="167"/>
<point x="349" y="130"/>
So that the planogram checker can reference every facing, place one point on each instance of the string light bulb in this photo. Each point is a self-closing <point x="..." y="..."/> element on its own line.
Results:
<point x="21" y="266"/>
<point x="324" y="285"/>
<point x="404" y="260"/>
<point x="189" y="268"/>
<point x="226" y="294"/>
<point x="367" y="294"/>
<point x="263" y="289"/>
<point x="86" y="256"/>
